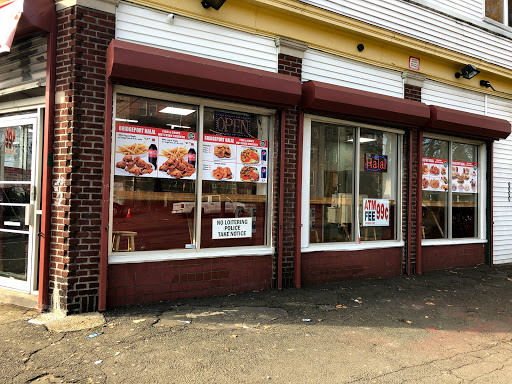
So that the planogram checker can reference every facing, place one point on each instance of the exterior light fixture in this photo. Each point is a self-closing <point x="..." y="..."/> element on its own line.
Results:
<point x="215" y="4"/>
<point x="468" y="72"/>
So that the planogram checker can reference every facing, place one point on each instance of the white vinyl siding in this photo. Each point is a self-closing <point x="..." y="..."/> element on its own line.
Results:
<point x="448" y="96"/>
<point x="502" y="242"/>
<point x="473" y="9"/>
<point x="426" y="25"/>
<point x="149" y="27"/>
<point x="331" y="69"/>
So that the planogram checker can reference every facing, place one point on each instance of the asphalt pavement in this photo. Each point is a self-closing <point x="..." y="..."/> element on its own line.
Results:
<point x="452" y="326"/>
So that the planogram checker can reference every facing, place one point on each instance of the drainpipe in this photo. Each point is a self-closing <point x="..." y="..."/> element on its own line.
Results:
<point x="46" y="190"/>
<point x="281" y="202"/>
<point x="419" y="263"/>
<point x="409" y="204"/>
<point x="105" y="205"/>
<point x="490" y="205"/>
<point x="298" y="201"/>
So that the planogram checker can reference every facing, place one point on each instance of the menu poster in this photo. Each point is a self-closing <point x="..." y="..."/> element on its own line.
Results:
<point x="434" y="174"/>
<point x="464" y="177"/>
<point x="154" y="152"/>
<point x="234" y="159"/>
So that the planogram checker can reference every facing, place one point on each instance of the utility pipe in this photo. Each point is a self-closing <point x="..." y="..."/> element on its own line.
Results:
<point x="419" y="262"/>
<point x="105" y="204"/>
<point x="490" y="199"/>
<point x="409" y="206"/>
<point x="281" y="201"/>
<point x="297" y="262"/>
<point x="46" y="190"/>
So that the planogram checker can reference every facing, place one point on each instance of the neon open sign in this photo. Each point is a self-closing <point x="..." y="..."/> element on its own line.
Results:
<point x="376" y="163"/>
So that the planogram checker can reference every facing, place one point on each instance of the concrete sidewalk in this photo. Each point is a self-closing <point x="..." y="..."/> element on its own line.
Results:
<point x="452" y="326"/>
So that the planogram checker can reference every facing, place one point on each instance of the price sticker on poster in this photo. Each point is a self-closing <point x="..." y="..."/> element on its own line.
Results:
<point x="375" y="213"/>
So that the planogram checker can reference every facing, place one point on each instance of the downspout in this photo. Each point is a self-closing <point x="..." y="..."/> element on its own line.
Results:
<point x="46" y="190"/>
<point x="281" y="201"/>
<point x="298" y="201"/>
<point x="490" y="202"/>
<point x="419" y="263"/>
<point x="105" y="205"/>
<point x="409" y="205"/>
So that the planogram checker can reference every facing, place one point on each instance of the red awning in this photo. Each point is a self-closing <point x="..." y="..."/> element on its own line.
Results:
<point x="21" y="18"/>
<point x="10" y="14"/>
<point x="363" y="106"/>
<point x="468" y="124"/>
<point x="139" y="64"/>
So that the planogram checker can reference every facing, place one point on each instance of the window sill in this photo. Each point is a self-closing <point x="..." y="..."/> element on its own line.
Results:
<point x="342" y="247"/>
<point x="498" y="27"/>
<point x="156" y="256"/>
<point x="433" y="242"/>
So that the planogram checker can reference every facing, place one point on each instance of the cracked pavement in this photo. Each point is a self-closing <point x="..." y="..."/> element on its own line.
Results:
<point x="452" y="326"/>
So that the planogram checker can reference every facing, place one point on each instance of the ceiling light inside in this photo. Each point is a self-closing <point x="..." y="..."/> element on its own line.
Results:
<point x="177" y="111"/>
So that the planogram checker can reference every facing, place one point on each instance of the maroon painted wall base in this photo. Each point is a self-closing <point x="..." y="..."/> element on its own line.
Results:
<point x="169" y="280"/>
<point x="452" y="256"/>
<point x="329" y="267"/>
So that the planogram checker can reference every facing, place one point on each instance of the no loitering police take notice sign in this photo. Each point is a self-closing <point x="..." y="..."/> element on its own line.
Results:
<point x="375" y="213"/>
<point x="231" y="228"/>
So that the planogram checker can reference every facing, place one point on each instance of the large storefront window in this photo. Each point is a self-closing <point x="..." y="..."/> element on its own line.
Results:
<point x="450" y="189"/>
<point x="162" y="149"/>
<point x="353" y="183"/>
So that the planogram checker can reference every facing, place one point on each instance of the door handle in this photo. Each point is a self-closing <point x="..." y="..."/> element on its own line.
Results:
<point x="29" y="214"/>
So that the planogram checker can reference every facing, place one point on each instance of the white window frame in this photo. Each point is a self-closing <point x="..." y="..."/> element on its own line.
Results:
<point x="194" y="253"/>
<point x="482" y="194"/>
<point x="306" y="246"/>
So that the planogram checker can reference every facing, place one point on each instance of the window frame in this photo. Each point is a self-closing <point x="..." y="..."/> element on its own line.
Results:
<point x="504" y="17"/>
<point x="194" y="253"/>
<point x="306" y="246"/>
<point x="482" y="192"/>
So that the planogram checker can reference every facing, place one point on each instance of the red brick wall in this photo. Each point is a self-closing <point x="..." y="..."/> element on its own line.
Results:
<point x="292" y="66"/>
<point x="82" y="39"/>
<point x="452" y="256"/>
<point x="335" y="266"/>
<point x="170" y="280"/>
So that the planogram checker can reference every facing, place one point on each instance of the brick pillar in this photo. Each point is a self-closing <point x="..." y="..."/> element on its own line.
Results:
<point x="413" y="83"/>
<point x="290" y="58"/>
<point x="82" y="39"/>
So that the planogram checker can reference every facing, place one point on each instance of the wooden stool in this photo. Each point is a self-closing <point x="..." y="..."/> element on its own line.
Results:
<point x="117" y="238"/>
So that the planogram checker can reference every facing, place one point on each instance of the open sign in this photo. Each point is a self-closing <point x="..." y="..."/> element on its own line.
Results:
<point x="375" y="213"/>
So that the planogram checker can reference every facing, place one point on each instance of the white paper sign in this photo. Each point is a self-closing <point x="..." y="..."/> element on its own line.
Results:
<point x="232" y="228"/>
<point x="375" y="213"/>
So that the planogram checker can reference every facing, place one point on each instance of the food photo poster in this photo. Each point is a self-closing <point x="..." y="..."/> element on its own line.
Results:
<point x="162" y="153"/>
<point x="435" y="176"/>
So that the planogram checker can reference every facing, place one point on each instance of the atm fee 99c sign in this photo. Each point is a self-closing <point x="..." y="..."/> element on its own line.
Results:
<point x="375" y="213"/>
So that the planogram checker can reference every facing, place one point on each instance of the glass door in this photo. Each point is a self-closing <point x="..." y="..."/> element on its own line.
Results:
<point x="18" y="177"/>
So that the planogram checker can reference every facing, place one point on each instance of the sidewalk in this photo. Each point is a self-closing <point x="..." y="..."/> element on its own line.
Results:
<point x="452" y="326"/>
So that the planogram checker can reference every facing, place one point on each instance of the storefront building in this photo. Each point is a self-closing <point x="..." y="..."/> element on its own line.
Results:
<point x="200" y="152"/>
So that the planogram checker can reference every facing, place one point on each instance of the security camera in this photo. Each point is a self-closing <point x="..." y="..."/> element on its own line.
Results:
<point x="170" y="18"/>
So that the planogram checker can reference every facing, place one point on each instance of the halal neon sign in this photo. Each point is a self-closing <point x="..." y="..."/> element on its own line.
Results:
<point x="376" y="163"/>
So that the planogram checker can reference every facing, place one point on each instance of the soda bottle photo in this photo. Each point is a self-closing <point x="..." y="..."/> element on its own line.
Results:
<point x="191" y="157"/>
<point x="153" y="154"/>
